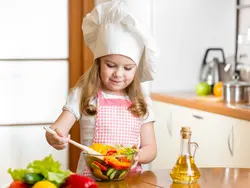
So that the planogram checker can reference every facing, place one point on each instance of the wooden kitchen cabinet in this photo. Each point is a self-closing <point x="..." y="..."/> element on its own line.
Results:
<point x="219" y="137"/>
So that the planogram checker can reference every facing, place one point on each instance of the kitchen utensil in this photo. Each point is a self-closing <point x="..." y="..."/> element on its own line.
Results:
<point x="83" y="147"/>
<point x="244" y="71"/>
<point x="235" y="91"/>
<point x="215" y="71"/>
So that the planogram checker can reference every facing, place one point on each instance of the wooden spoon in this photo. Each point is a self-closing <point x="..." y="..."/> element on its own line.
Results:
<point x="82" y="147"/>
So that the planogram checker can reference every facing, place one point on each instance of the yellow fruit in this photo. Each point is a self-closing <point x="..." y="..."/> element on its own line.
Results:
<point x="44" y="184"/>
<point x="101" y="148"/>
<point x="217" y="90"/>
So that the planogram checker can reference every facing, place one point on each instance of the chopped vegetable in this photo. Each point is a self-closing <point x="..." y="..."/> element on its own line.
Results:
<point x="111" y="152"/>
<point x="100" y="166"/>
<point x="116" y="164"/>
<point x="98" y="173"/>
<point x="94" y="166"/>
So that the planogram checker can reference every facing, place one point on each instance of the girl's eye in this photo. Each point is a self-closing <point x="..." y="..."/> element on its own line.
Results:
<point x="128" y="68"/>
<point x="110" y="65"/>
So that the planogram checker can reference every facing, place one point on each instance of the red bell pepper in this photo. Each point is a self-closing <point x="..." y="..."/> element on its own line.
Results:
<point x="111" y="152"/>
<point x="119" y="165"/>
<point x="76" y="181"/>
<point x="103" y="168"/>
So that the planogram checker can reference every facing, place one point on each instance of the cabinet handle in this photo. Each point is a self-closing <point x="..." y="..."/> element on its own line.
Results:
<point x="197" y="117"/>
<point x="229" y="140"/>
<point x="169" y="124"/>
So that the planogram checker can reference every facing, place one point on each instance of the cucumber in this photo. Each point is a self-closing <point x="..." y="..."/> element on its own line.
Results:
<point x="94" y="166"/>
<point x="109" y="172"/>
<point x="113" y="174"/>
<point x="32" y="178"/>
<point x="123" y="174"/>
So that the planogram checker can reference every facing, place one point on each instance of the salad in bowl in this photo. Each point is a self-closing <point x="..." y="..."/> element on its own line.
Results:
<point x="113" y="163"/>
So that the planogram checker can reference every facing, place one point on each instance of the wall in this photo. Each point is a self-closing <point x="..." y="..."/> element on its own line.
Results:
<point x="33" y="79"/>
<point x="184" y="29"/>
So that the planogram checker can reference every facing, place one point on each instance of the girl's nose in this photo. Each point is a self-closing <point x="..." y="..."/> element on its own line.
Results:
<point x="119" y="72"/>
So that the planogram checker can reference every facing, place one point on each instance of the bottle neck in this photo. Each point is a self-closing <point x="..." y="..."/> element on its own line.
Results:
<point x="185" y="146"/>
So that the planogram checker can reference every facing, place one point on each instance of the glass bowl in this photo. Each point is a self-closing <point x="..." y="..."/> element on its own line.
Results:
<point x="113" y="167"/>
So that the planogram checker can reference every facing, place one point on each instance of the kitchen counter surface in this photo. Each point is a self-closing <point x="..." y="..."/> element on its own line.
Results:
<point x="208" y="103"/>
<point x="210" y="178"/>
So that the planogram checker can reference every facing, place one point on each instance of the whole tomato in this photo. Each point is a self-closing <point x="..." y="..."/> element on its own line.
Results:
<point x="18" y="184"/>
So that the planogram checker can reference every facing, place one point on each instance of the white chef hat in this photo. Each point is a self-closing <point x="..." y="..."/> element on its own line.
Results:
<point x="111" y="29"/>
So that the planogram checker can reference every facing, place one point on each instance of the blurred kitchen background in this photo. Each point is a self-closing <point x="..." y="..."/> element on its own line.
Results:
<point x="42" y="56"/>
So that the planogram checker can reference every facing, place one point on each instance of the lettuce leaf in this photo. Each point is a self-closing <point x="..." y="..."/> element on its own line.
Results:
<point x="17" y="174"/>
<point x="49" y="168"/>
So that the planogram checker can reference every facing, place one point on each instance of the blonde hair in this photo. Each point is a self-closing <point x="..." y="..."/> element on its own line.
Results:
<point x="90" y="83"/>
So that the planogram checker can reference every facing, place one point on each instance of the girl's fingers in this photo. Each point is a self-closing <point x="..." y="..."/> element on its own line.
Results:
<point x="60" y="140"/>
<point x="136" y="158"/>
<point x="60" y="146"/>
<point x="59" y="132"/>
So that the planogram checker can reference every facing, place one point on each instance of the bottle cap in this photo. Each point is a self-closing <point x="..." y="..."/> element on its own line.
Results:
<point x="185" y="129"/>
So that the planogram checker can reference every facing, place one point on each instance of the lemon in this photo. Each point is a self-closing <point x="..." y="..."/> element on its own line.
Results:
<point x="44" y="184"/>
<point x="203" y="88"/>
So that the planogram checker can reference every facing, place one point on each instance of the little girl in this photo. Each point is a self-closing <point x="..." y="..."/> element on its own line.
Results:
<point x="108" y="100"/>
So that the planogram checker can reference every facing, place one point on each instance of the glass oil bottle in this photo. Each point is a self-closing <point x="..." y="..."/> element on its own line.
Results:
<point x="185" y="171"/>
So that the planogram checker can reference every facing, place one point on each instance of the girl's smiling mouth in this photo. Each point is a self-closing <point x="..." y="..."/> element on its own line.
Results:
<point x="116" y="81"/>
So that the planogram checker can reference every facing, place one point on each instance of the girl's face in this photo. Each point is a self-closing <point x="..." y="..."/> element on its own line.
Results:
<point x="116" y="72"/>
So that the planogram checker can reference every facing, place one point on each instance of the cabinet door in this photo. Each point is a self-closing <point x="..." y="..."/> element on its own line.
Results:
<point x="242" y="144"/>
<point x="215" y="135"/>
<point x="163" y="133"/>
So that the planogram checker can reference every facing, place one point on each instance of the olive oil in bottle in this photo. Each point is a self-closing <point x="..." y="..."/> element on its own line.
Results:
<point x="185" y="171"/>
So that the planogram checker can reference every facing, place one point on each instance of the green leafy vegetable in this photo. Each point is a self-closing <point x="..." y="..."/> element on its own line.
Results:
<point x="126" y="151"/>
<point x="50" y="169"/>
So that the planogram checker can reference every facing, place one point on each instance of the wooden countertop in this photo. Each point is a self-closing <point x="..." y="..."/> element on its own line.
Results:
<point x="210" y="178"/>
<point x="208" y="103"/>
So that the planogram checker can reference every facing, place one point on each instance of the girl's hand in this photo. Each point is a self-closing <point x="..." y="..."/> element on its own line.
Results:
<point x="136" y="160"/>
<point x="58" y="141"/>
